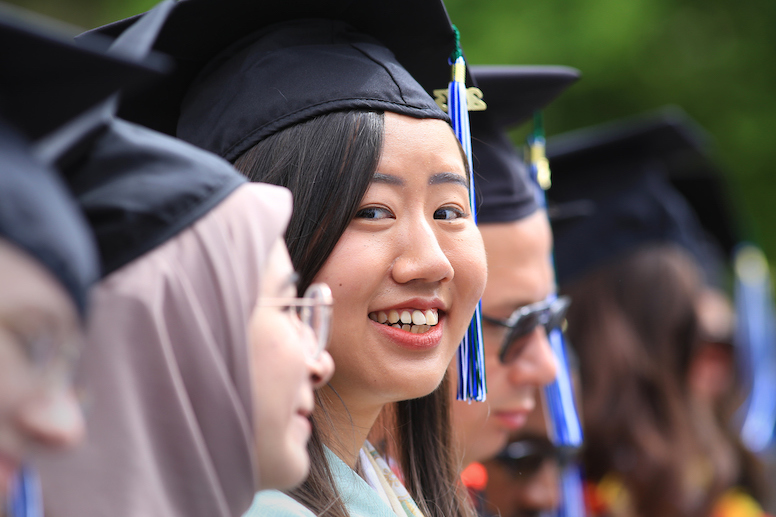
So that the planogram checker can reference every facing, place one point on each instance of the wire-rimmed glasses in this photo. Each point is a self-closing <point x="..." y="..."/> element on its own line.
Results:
<point x="314" y="311"/>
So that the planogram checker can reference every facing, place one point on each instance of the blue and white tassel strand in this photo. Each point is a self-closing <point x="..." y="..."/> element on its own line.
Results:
<point x="471" y="356"/>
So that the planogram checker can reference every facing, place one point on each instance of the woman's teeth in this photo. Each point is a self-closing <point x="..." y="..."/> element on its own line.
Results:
<point x="415" y="321"/>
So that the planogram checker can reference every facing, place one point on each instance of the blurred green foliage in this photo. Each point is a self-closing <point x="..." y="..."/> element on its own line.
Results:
<point x="714" y="58"/>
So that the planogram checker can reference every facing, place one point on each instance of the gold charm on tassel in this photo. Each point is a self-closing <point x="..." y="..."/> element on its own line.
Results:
<point x="539" y="160"/>
<point x="473" y="99"/>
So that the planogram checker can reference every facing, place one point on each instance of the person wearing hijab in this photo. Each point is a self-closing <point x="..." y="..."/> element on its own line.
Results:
<point x="193" y="403"/>
<point x="317" y="96"/>
<point x="518" y="242"/>
<point x="202" y="362"/>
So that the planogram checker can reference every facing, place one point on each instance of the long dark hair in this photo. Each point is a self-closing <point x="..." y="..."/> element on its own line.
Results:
<point x="634" y="326"/>
<point x="328" y="163"/>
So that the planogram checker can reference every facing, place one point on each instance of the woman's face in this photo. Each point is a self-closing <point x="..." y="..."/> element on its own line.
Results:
<point x="39" y="333"/>
<point x="284" y="377"/>
<point x="412" y="253"/>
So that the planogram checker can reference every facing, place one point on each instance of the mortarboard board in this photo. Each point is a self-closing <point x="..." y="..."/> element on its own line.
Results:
<point x="513" y="94"/>
<point x="48" y="80"/>
<point x="621" y="170"/>
<point x="137" y="187"/>
<point x="197" y="31"/>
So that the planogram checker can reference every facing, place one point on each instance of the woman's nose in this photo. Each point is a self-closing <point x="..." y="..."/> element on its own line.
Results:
<point x="321" y="369"/>
<point x="52" y="419"/>
<point x="422" y="258"/>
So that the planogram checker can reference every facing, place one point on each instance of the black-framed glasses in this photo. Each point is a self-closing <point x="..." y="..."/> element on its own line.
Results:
<point x="548" y="313"/>
<point x="524" y="458"/>
<point x="314" y="310"/>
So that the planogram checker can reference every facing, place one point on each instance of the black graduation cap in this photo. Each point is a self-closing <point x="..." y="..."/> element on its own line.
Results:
<point x="47" y="83"/>
<point x="346" y="67"/>
<point x="47" y="80"/>
<point x="513" y="94"/>
<point x="38" y="215"/>
<point x="139" y="188"/>
<point x="136" y="186"/>
<point x="621" y="171"/>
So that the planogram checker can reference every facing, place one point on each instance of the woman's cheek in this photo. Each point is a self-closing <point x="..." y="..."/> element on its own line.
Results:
<point x="470" y="264"/>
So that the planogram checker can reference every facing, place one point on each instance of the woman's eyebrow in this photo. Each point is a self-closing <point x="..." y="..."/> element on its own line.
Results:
<point x="387" y="178"/>
<point x="436" y="179"/>
<point x="448" y="177"/>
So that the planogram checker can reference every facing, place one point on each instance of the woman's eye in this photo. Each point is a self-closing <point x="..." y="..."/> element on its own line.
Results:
<point x="374" y="212"/>
<point x="449" y="213"/>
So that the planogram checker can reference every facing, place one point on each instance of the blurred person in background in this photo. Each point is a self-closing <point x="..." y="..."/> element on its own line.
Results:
<point x="48" y="257"/>
<point x="634" y="265"/>
<point x="523" y="479"/>
<point x="518" y="242"/>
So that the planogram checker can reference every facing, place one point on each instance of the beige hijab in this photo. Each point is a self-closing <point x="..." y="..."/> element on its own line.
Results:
<point x="165" y="373"/>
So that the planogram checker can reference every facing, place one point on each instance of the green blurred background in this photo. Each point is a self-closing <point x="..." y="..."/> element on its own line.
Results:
<point x="714" y="58"/>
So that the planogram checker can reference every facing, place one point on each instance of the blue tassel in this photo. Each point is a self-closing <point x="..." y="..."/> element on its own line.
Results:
<point x="24" y="494"/>
<point x="565" y="429"/>
<point x="572" y="501"/>
<point x="471" y="355"/>
<point x="756" y="340"/>
<point x="561" y="407"/>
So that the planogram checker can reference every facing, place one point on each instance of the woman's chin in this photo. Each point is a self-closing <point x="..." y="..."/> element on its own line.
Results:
<point x="416" y="387"/>
<point x="291" y="475"/>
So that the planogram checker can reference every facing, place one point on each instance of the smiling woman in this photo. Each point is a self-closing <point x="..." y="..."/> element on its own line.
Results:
<point x="381" y="214"/>
<point x="406" y="270"/>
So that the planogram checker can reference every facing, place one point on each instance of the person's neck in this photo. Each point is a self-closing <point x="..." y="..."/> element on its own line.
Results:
<point x="345" y="423"/>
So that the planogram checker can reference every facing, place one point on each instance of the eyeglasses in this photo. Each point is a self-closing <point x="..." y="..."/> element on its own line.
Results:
<point x="40" y="353"/>
<point x="524" y="458"/>
<point x="548" y="313"/>
<point x="313" y="310"/>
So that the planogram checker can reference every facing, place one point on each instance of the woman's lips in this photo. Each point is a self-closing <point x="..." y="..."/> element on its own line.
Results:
<point x="423" y="341"/>
<point x="511" y="420"/>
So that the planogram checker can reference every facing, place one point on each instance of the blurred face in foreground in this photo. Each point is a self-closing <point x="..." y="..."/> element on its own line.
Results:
<point x="287" y="364"/>
<point x="519" y="274"/>
<point x="40" y="336"/>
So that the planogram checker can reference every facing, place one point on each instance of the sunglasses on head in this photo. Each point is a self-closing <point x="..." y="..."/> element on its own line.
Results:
<point x="524" y="458"/>
<point x="548" y="313"/>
